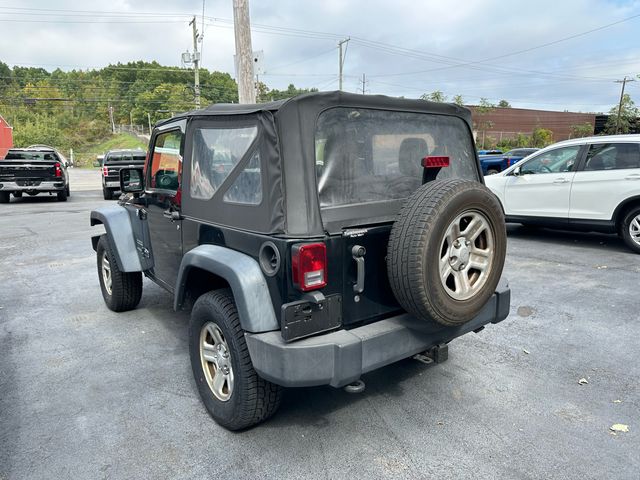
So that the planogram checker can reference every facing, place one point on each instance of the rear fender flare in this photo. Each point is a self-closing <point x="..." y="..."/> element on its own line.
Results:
<point x="117" y="224"/>
<point x="243" y="273"/>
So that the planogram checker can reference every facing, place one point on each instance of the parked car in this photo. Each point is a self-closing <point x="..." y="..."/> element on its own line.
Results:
<point x="490" y="152"/>
<point x="113" y="161"/>
<point x="33" y="171"/>
<point x="306" y="265"/>
<point x="492" y="164"/>
<point x="589" y="184"/>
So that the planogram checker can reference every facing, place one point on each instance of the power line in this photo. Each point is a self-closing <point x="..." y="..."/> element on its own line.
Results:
<point x="269" y="29"/>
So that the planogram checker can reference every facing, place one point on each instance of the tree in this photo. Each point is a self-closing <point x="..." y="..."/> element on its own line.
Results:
<point x="581" y="130"/>
<point x="435" y="96"/>
<point x="485" y="106"/>
<point x="266" y="95"/>
<point x="504" y="104"/>
<point x="541" y="137"/>
<point x="458" y="100"/>
<point x="628" y="115"/>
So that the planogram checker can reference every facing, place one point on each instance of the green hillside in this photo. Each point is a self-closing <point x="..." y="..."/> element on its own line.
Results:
<point x="86" y="156"/>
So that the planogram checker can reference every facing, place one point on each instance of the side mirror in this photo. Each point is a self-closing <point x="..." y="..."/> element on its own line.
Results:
<point x="131" y="180"/>
<point x="517" y="171"/>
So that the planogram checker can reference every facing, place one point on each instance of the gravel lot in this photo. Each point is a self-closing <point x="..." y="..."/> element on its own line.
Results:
<point x="87" y="393"/>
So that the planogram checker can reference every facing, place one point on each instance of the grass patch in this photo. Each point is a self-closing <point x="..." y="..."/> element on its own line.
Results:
<point x="85" y="156"/>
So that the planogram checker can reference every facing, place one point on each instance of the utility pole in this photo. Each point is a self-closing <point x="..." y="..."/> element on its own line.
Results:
<point x="196" y="63"/>
<point x="364" y="84"/>
<point x="113" y="125"/>
<point x="149" y="120"/>
<point x="623" y="82"/>
<point x="244" y="52"/>
<point x="341" y="59"/>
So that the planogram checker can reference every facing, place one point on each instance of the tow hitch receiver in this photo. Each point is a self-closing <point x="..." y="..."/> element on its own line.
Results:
<point x="436" y="354"/>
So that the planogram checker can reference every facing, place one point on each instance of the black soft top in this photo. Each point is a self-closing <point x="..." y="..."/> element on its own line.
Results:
<point x="321" y="100"/>
<point x="291" y="205"/>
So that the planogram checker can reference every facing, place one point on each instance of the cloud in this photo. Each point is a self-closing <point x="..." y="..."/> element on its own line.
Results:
<point x="453" y="45"/>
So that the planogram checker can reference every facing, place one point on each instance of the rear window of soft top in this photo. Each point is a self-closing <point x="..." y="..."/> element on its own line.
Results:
<point x="366" y="155"/>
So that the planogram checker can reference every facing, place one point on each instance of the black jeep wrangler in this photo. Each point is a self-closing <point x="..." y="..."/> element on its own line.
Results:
<point x="317" y="238"/>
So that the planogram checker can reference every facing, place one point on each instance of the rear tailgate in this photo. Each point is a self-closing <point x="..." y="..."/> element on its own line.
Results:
<point x="366" y="294"/>
<point x="27" y="170"/>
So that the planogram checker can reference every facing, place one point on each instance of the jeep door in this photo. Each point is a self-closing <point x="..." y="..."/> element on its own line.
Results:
<point x="164" y="203"/>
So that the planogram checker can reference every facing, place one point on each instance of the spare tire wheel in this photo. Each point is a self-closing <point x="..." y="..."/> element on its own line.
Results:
<point x="446" y="251"/>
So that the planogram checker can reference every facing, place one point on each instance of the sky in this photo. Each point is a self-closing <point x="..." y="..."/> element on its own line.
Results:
<point x="551" y="55"/>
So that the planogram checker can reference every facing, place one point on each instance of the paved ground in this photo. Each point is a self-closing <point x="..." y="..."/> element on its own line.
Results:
<point x="87" y="393"/>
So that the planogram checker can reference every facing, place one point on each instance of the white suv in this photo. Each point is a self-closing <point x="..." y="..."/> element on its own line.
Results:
<point x="587" y="183"/>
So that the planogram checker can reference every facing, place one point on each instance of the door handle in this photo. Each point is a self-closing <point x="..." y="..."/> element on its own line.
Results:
<point x="560" y="180"/>
<point x="358" y="252"/>
<point x="173" y="215"/>
<point x="633" y="176"/>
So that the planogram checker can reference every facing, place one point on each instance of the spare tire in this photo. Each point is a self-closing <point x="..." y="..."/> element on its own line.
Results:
<point x="446" y="251"/>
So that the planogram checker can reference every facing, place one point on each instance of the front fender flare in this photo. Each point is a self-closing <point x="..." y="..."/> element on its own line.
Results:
<point x="245" y="277"/>
<point x="117" y="224"/>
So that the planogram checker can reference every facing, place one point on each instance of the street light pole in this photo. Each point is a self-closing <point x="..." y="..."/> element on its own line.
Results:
<point x="341" y="61"/>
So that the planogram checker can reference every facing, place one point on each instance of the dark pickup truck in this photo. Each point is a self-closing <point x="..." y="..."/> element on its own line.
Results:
<point x="33" y="171"/>
<point x="114" y="160"/>
<point x="495" y="163"/>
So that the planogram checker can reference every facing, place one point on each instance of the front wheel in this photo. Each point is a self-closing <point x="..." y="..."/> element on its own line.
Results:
<point x="5" y="197"/>
<point x="231" y="390"/>
<point x="630" y="229"/>
<point x="121" y="290"/>
<point x="17" y="194"/>
<point x="492" y="171"/>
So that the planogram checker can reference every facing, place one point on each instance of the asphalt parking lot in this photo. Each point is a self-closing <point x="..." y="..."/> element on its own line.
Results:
<point x="88" y="393"/>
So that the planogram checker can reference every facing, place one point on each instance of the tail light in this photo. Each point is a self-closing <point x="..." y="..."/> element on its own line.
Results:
<point x="435" y="162"/>
<point x="309" y="265"/>
<point x="105" y="171"/>
<point x="58" y="170"/>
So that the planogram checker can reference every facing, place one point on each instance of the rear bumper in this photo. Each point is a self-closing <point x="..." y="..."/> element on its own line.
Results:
<point x="111" y="183"/>
<point x="341" y="357"/>
<point x="44" y="186"/>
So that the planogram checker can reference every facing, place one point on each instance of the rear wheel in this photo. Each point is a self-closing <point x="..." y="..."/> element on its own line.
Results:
<point x="446" y="251"/>
<point x="121" y="290"/>
<point x="5" y="197"/>
<point x="17" y="194"/>
<point x="107" y="194"/>
<point x="68" y="191"/>
<point x="231" y="390"/>
<point x="62" y="196"/>
<point x="630" y="229"/>
<point x="492" y="171"/>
